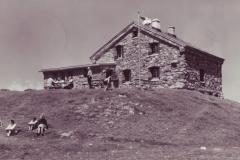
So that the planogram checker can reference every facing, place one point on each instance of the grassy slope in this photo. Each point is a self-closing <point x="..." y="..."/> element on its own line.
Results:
<point x="121" y="124"/>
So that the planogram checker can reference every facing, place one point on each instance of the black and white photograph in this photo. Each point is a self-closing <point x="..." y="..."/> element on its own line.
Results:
<point x="119" y="80"/>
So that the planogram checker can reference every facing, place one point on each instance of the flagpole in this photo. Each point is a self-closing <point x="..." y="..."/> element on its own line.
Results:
<point x="138" y="48"/>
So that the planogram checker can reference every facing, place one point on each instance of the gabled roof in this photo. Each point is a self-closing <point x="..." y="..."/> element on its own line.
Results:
<point x="153" y="32"/>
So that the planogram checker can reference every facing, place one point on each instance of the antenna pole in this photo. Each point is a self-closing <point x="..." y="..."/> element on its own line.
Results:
<point x="139" y="49"/>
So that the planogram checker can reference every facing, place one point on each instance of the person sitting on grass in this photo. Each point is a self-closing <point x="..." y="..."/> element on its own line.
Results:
<point x="11" y="128"/>
<point x="32" y="124"/>
<point x="41" y="125"/>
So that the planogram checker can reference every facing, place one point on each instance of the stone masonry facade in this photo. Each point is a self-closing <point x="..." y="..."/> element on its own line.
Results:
<point x="162" y="59"/>
<point x="159" y="63"/>
<point x="177" y="68"/>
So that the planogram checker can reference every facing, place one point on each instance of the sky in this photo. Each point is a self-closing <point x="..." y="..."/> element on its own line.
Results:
<point x="37" y="34"/>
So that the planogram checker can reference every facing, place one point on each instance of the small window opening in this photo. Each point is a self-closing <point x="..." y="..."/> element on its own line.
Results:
<point x="119" y="49"/>
<point x="174" y="64"/>
<point x="154" y="47"/>
<point x="202" y="73"/>
<point x="135" y="33"/>
<point x="127" y="75"/>
<point x="154" y="71"/>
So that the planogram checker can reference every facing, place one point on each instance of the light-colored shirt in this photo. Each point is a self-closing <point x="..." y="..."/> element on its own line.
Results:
<point x="70" y="80"/>
<point x="49" y="82"/>
<point x="89" y="74"/>
<point x="32" y="122"/>
<point x="11" y="126"/>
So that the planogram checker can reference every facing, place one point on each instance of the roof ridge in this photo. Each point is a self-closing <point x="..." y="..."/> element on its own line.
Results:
<point x="176" y="39"/>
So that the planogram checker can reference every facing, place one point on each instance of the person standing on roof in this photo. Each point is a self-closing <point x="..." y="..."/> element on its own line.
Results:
<point x="89" y="77"/>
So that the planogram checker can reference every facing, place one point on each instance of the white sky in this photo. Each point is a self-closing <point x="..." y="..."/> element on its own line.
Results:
<point x="37" y="34"/>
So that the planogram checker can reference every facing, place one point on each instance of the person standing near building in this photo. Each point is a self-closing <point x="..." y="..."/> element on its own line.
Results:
<point x="102" y="78"/>
<point x="89" y="77"/>
<point x="108" y="83"/>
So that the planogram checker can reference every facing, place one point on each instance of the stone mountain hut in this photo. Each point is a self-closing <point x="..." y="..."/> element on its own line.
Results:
<point x="143" y="53"/>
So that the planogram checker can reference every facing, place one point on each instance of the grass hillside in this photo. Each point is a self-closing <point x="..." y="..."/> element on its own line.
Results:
<point x="121" y="124"/>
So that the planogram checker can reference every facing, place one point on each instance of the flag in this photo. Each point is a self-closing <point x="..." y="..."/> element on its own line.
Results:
<point x="146" y="20"/>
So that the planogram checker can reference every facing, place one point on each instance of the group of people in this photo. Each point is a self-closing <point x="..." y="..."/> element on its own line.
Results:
<point x="60" y="83"/>
<point x="68" y="82"/>
<point x="106" y="79"/>
<point x="40" y="125"/>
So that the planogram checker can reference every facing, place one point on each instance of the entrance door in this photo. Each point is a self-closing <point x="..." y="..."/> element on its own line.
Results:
<point x="109" y="72"/>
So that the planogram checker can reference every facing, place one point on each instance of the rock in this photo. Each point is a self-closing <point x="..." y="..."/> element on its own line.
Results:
<point x="203" y="148"/>
<point x="67" y="134"/>
<point x="177" y="85"/>
<point x="122" y="96"/>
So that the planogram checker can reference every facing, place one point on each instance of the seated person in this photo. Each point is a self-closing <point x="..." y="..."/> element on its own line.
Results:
<point x="41" y="125"/>
<point x="50" y="83"/>
<point x="69" y="83"/>
<point x="11" y="128"/>
<point x="59" y="83"/>
<point x="32" y="124"/>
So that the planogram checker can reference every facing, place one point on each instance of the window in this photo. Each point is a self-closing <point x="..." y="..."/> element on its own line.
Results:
<point x="127" y="75"/>
<point x="119" y="49"/>
<point x="174" y="64"/>
<point x="154" y="47"/>
<point x="154" y="71"/>
<point x="202" y="73"/>
<point x="134" y="33"/>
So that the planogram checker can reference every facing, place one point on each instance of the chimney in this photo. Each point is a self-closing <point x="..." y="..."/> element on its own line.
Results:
<point x="156" y="24"/>
<point x="171" y="31"/>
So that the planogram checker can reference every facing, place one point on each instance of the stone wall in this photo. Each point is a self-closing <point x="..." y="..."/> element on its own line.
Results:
<point x="212" y="83"/>
<point x="79" y="75"/>
<point x="170" y="77"/>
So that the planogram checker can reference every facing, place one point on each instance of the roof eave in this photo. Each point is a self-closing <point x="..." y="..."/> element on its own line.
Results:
<point x="75" y="67"/>
<point x="206" y="53"/>
<point x="106" y="44"/>
<point x="143" y="28"/>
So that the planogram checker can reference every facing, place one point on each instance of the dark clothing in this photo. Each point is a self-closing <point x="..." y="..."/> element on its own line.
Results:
<point x="42" y="121"/>
<point x="89" y="78"/>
